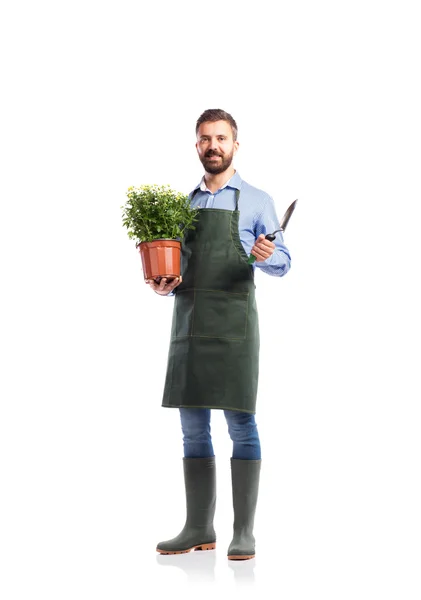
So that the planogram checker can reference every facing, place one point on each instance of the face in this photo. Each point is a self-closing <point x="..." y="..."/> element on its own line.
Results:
<point x="215" y="146"/>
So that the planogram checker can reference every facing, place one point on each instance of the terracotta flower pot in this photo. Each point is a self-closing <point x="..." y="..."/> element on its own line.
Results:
<point x="160" y="258"/>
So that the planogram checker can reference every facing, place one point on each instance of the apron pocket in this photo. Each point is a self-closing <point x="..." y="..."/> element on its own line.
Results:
<point x="220" y="314"/>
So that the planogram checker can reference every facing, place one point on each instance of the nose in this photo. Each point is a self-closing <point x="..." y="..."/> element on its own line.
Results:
<point x="213" y="147"/>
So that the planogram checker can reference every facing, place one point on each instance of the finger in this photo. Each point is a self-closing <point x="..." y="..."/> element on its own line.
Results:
<point x="261" y="257"/>
<point x="173" y="284"/>
<point x="265" y="244"/>
<point x="264" y="247"/>
<point x="176" y="282"/>
<point x="261" y="254"/>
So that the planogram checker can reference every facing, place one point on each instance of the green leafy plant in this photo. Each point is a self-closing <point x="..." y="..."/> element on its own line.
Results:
<point x="155" y="212"/>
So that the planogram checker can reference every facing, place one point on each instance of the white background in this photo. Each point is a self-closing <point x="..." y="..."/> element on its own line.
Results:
<point x="98" y="96"/>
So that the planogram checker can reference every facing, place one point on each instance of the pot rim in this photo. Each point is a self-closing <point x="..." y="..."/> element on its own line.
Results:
<point x="159" y="240"/>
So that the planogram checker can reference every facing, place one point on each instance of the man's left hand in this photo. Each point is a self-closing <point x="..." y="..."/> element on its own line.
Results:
<point x="262" y="248"/>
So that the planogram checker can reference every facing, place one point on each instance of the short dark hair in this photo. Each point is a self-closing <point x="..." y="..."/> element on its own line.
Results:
<point x="217" y="114"/>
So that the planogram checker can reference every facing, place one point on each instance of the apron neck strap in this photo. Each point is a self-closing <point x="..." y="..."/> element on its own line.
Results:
<point x="237" y="197"/>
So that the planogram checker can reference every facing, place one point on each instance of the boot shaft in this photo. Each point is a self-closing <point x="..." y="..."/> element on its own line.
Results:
<point x="245" y="477"/>
<point x="200" y="486"/>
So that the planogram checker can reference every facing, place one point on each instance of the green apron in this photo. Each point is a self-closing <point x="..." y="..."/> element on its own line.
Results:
<point x="213" y="359"/>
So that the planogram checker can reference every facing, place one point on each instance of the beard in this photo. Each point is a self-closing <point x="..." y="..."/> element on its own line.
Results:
<point x="218" y="166"/>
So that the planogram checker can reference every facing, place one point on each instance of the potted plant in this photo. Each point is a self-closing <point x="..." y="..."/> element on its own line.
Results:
<point x="157" y="218"/>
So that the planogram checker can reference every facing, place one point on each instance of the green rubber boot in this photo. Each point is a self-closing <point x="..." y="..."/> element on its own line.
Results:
<point x="198" y="532"/>
<point x="245" y="476"/>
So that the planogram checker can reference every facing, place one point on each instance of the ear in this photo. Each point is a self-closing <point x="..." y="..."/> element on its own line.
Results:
<point x="236" y="145"/>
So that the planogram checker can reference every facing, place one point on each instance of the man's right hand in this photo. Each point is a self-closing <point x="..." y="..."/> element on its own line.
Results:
<point x="163" y="288"/>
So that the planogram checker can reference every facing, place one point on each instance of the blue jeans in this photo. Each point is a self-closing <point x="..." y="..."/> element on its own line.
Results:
<point x="197" y="440"/>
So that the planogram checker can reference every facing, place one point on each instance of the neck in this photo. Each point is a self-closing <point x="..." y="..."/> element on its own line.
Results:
<point x="214" y="182"/>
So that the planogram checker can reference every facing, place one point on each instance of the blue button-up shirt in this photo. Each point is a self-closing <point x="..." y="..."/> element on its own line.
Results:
<point x="257" y="215"/>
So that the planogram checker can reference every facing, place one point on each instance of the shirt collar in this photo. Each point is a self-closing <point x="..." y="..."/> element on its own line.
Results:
<point x="234" y="182"/>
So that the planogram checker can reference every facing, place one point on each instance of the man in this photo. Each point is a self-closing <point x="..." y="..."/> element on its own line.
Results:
<point x="213" y="360"/>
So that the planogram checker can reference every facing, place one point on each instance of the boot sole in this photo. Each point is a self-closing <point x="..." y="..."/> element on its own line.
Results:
<point x="240" y="556"/>
<point x="198" y="547"/>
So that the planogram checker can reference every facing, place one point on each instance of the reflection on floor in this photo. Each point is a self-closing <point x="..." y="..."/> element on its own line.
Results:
<point x="200" y="566"/>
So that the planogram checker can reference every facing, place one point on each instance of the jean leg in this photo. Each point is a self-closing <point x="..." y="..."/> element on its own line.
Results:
<point x="245" y="437"/>
<point x="195" y="424"/>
